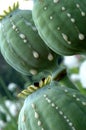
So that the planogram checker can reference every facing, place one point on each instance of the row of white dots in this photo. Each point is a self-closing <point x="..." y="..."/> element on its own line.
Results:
<point x="63" y="8"/>
<point x="35" y="53"/>
<point x="77" y="98"/>
<point x="60" y="112"/>
<point x="65" y="37"/>
<point x="23" y="37"/>
<point x="36" y="115"/>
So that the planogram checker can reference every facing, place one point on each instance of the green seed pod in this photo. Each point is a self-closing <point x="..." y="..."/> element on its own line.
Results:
<point x="52" y="108"/>
<point x="21" y="45"/>
<point x="62" y="25"/>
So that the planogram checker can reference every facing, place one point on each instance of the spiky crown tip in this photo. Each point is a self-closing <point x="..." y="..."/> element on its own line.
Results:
<point x="32" y="88"/>
<point x="10" y="9"/>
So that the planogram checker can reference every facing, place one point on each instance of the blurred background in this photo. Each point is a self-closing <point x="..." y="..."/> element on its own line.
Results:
<point x="12" y="82"/>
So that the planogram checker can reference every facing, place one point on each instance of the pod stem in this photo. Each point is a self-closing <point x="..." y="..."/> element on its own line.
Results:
<point x="62" y="77"/>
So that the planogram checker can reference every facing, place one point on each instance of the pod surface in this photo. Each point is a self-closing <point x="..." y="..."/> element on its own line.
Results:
<point x="62" y="25"/>
<point x="21" y="45"/>
<point x="53" y="107"/>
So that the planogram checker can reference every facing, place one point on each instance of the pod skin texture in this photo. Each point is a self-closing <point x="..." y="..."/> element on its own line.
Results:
<point x="62" y="25"/>
<point x="21" y="45"/>
<point x="53" y="108"/>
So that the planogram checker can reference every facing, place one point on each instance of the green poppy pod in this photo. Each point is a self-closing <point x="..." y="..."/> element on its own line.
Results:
<point x="52" y="107"/>
<point x="62" y="25"/>
<point x="21" y="45"/>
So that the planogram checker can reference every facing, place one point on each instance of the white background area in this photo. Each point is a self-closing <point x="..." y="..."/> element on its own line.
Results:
<point x="24" y="4"/>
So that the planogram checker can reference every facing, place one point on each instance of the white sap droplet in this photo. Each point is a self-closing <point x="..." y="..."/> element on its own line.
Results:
<point x="77" y="99"/>
<point x="53" y="105"/>
<point x="81" y="36"/>
<point x="72" y="20"/>
<point x="49" y="101"/>
<point x="51" y="17"/>
<point x="33" y="72"/>
<point x="65" y="37"/>
<point x="74" y="95"/>
<point x="25" y="40"/>
<point x="66" y="90"/>
<point x="63" y="8"/>
<point x="77" y="5"/>
<point x="69" y="15"/>
<point x="83" y="13"/>
<point x="84" y="103"/>
<point x="69" y="42"/>
<point x="14" y="27"/>
<point x="55" y="1"/>
<point x="56" y="107"/>
<point x="36" y="115"/>
<point x="67" y="120"/>
<point x="33" y="106"/>
<point x="23" y="118"/>
<point x="35" y="54"/>
<point x="60" y="112"/>
<point x="22" y="35"/>
<point x="70" y="124"/>
<point x="45" y="95"/>
<point x="65" y="117"/>
<point x="45" y="8"/>
<point x="39" y="123"/>
<point x="50" y="57"/>
<point x="58" y="28"/>
<point x="73" y="128"/>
